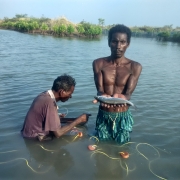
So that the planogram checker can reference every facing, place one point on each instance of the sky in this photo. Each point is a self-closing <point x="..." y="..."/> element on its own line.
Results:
<point x="155" y="13"/>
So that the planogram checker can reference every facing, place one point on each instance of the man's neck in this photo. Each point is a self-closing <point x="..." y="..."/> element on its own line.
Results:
<point x="118" y="61"/>
<point x="55" y="95"/>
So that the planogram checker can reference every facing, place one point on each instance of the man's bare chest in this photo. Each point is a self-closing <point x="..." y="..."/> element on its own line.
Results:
<point x="116" y="71"/>
<point x="116" y="74"/>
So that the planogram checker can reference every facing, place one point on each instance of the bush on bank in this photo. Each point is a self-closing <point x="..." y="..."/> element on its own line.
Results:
<point x="58" y="27"/>
<point x="166" y="33"/>
<point x="63" y="27"/>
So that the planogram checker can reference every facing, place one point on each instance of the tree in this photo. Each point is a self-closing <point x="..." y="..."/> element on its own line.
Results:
<point x="21" y="16"/>
<point x="70" y="29"/>
<point x="101" y="22"/>
<point x="80" y="29"/>
<point x="44" y="27"/>
<point x="22" y="26"/>
<point x="62" y="29"/>
<point x="55" y="28"/>
<point x="164" y="35"/>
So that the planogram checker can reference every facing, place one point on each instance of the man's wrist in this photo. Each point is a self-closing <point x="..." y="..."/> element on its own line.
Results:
<point x="78" y="120"/>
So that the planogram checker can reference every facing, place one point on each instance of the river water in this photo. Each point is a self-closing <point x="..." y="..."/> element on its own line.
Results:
<point x="28" y="66"/>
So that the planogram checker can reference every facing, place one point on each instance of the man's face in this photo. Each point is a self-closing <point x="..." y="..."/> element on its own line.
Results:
<point x="65" y="95"/>
<point x="118" y="44"/>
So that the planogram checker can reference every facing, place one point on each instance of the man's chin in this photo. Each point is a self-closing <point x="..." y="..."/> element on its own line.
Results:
<point x="119" y="55"/>
<point x="64" y="100"/>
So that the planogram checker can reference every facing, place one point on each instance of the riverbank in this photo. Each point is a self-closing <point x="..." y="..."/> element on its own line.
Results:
<point x="57" y="27"/>
<point x="50" y="33"/>
<point x="62" y="27"/>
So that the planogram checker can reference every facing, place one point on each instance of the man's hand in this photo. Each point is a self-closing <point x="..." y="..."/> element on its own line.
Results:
<point x="119" y="96"/>
<point x="62" y="115"/>
<point x="122" y="97"/>
<point x="83" y="118"/>
<point x="64" y="129"/>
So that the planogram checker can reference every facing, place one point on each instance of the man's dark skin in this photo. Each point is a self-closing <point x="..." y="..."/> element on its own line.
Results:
<point x="116" y="75"/>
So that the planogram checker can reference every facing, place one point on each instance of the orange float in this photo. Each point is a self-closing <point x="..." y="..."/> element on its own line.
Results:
<point x="80" y="134"/>
<point x="92" y="147"/>
<point x="124" y="154"/>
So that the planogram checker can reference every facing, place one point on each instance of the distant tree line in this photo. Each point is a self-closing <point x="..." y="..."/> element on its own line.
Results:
<point x="58" y="27"/>
<point x="63" y="27"/>
<point x="165" y="33"/>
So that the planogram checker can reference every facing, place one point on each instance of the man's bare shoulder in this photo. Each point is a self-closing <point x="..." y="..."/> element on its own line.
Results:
<point x="100" y="62"/>
<point x="135" y="66"/>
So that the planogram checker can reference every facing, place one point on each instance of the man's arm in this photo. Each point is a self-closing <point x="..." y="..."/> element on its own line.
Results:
<point x="98" y="77"/>
<point x="133" y="79"/>
<point x="63" y="130"/>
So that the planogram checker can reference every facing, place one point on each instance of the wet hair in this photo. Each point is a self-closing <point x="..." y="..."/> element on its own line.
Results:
<point x="119" y="28"/>
<point x="64" y="82"/>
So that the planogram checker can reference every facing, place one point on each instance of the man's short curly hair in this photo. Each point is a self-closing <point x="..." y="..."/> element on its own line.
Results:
<point x="64" y="82"/>
<point x="119" y="28"/>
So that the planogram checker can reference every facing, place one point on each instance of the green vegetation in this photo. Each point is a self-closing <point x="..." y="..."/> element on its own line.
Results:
<point x="57" y="27"/>
<point x="166" y="33"/>
<point x="90" y="30"/>
<point x="44" y="27"/>
<point x="80" y="29"/>
<point x="70" y="29"/>
<point x="63" y="27"/>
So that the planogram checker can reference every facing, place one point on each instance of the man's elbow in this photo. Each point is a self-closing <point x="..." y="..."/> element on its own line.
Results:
<point x="57" y="134"/>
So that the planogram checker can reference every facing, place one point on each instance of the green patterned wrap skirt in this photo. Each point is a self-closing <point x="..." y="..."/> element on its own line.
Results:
<point x="114" y="126"/>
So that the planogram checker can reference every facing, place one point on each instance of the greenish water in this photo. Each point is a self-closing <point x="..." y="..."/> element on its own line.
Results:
<point x="28" y="66"/>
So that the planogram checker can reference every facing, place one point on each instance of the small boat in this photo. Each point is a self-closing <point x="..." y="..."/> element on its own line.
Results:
<point x="65" y="120"/>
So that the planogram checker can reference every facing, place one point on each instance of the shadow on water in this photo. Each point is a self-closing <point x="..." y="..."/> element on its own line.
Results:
<point x="47" y="156"/>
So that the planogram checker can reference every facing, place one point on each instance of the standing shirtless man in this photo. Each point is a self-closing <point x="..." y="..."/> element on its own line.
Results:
<point x="116" y="76"/>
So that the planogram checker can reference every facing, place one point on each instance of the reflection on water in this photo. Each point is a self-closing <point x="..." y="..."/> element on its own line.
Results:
<point x="59" y="160"/>
<point x="30" y="63"/>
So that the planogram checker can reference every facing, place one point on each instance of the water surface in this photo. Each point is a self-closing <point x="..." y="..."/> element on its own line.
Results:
<point x="28" y="66"/>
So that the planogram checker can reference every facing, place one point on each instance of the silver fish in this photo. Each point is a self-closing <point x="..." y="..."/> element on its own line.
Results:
<point x="113" y="100"/>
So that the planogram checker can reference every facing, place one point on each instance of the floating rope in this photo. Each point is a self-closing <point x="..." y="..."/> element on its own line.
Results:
<point x="101" y="152"/>
<point x="65" y="114"/>
<point x="75" y="130"/>
<point x="113" y="121"/>
<point x="94" y="138"/>
<point x="148" y="159"/>
<point x="80" y="134"/>
<point x="126" y="168"/>
<point x="46" y="149"/>
<point x="137" y="146"/>
<point x="8" y="151"/>
<point x="27" y="163"/>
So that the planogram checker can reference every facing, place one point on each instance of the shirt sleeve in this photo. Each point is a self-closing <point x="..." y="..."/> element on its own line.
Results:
<point x="52" y="120"/>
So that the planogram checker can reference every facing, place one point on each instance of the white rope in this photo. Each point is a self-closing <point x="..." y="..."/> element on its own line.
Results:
<point x="64" y="113"/>
<point x="113" y="121"/>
